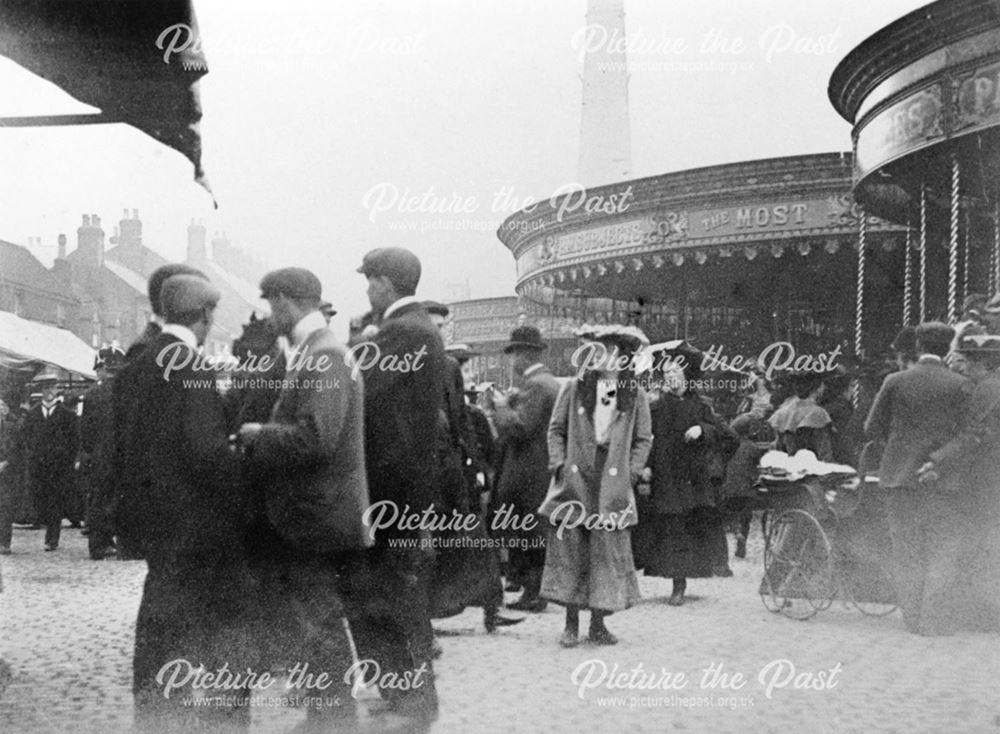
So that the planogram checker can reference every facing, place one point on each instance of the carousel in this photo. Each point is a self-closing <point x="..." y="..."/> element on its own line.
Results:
<point x="734" y="257"/>
<point x="923" y="96"/>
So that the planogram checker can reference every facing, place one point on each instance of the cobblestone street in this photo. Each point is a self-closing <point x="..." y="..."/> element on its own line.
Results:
<point x="67" y="629"/>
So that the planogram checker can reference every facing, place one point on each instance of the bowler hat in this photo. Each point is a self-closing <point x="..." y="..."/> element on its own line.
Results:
<point x="397" y="264"/>
<point x="182" y="294"/>
<point x="525" y="337"/>
<point x="292" y="283"/>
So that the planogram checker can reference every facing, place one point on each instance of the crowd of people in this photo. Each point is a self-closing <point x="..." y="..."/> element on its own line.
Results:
<point x="254" y="508"/>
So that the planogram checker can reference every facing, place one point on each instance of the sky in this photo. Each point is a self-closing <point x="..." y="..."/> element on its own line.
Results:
<point x="331" y="128"/>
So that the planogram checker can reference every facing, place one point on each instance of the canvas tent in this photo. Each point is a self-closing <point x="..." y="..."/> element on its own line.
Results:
<point x="27" y="345"/>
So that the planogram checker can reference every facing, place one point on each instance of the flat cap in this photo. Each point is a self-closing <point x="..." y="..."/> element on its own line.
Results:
<point x="398" y="264"/>
<point x="186" y="293"/>
<point x="155" y="284"/>
<point x="436" y="307"/>
<point x="934" y="332"/>
<point x="291" y="282"/>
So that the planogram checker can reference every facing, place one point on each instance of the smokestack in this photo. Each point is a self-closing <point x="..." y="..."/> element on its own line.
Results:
<point x="196" y="249"/>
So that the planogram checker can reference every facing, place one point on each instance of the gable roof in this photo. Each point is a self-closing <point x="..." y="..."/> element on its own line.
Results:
<point x="19" y="267"/>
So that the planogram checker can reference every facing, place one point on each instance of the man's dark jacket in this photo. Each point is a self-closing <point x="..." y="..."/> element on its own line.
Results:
<point x="402" y="409"/>
<point x="181" y="503"/>
<point x="916" y="412"/>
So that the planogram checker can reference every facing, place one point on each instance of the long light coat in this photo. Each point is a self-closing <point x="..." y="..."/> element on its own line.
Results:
<point x="572" y="452"/>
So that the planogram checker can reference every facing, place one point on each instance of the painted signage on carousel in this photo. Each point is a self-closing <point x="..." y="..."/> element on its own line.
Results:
<point x="958" y="105"/>
<point x="677" y="229"/>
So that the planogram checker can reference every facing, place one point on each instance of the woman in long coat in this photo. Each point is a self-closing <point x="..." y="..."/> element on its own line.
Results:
<point x="685" y="537"/>
<point x="599" y="439"/>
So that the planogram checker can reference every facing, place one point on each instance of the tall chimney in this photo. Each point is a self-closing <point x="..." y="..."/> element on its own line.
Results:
<point x="90" y="240"/>
<point x="605" y="140"/>
<point x="197" y="252"/>
<point x="130" y="230"/>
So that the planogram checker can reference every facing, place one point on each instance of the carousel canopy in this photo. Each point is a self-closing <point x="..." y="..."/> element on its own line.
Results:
<point x="24" y="342"/>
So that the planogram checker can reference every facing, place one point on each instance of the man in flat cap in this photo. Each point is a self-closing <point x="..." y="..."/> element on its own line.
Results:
<point x="51" y="440"/>
<point x="308" y="464"/>
<point x="522" y="423"/>
<point x="153" y="287"/>
<point x="916" y="412"/>
<point x="402" y="406"/>
<point x="181" y="505"/>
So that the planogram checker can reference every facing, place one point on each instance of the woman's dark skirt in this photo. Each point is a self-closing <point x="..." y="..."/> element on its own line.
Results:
<point x="691" y="545"/>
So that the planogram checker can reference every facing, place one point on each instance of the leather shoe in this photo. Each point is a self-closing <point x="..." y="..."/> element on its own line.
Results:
<point x="492" y="620"/>
<point x="602" y="637"/>
<point x="51" y="547"/>
<point x="529" y="605"/>
<point x="676" y="600"/>
<point x="569" y="639"/>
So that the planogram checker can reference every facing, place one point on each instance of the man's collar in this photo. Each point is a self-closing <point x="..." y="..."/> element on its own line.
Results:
<point x="312" y="321"/>
<point x="183" y="333"/>
<point x="158" y="320"/>
<point x="401" y="303"/>
<point x="929" y="359"/>
<point x="533" y="369"/>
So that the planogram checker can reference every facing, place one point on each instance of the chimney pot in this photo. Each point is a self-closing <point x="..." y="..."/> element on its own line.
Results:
<point x="86" y="220"/>
<point x="135" y="214"/>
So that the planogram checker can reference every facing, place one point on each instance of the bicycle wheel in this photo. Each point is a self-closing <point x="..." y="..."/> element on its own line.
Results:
<point x="798" y="566"/>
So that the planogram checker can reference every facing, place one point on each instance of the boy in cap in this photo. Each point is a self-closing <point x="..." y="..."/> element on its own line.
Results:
<point x="916" y="412"/>
<point x="153" y="288"/>
<point x="391" y="620"/>
<point x="181" y="506"/>
<point x="309" y="459"/>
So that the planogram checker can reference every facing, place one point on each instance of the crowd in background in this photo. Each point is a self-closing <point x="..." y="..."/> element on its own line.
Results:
<point x="249" y="507"/>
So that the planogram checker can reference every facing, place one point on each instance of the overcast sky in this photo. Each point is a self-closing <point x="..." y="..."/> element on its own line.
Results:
<point x="316" y="114"/>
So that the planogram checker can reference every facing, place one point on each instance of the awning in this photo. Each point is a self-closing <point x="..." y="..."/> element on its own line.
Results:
<point x="25" y="343"/>
<point x="137" y="61"/>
